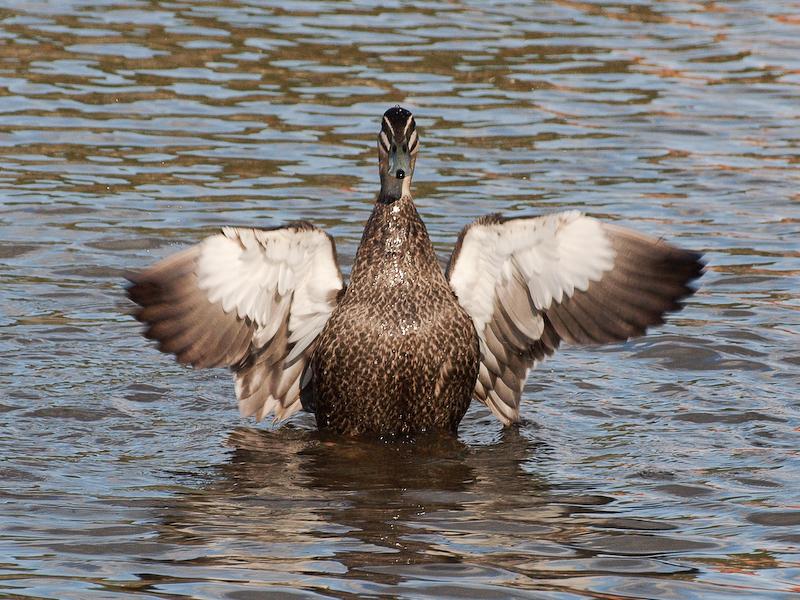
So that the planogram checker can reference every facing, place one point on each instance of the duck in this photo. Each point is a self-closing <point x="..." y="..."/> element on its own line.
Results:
<point x="404" y="346"/>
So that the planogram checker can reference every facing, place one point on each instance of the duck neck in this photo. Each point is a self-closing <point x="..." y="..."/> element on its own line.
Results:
<point x="395" y="249"/>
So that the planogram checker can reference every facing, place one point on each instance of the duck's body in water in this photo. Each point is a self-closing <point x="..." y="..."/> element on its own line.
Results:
<point x="404" y="347"/>
<point x="410" y="349"/>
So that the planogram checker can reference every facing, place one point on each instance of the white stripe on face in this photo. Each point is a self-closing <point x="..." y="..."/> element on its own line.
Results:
<point x="412" y="142"/>
<point x="384" y="141"/>
<point x="408" y="124"/>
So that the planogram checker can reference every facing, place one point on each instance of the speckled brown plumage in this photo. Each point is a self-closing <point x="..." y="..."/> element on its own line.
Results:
<point x="399" y="355"/>
<point x="404" y="347"/>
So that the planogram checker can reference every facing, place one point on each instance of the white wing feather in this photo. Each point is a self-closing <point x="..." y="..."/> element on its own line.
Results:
<point x="254" y="300"/>
<point x="528" y="283"/>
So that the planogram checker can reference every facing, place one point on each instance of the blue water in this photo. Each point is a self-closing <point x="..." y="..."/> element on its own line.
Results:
<point x="663" y="468"/>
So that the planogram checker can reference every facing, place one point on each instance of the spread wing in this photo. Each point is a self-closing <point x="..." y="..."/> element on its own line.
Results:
<point x="250" y="299"/>
<point x="529" y="283"/>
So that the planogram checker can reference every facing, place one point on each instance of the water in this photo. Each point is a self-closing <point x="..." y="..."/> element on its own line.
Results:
<point x="662" y="468"/>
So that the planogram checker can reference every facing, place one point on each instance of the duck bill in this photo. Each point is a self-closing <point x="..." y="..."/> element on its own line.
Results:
<point x="400" y="164"/>
<point x="396" y="176"/>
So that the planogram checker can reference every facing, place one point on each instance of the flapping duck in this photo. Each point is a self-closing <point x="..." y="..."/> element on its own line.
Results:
<point x="403" y="347"/>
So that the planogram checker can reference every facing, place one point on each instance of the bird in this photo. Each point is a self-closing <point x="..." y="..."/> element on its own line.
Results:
<point x="404" y="346"/>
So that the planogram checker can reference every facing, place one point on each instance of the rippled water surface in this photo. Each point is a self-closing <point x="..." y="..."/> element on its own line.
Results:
<point x="666" y="467"/>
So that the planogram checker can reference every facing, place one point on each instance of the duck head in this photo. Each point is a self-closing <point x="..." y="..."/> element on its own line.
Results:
<point x="398" y="144"/>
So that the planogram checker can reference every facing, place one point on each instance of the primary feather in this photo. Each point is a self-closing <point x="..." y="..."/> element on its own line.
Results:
<point x="404" y="347"/>
<point x="529" y="283"/>
<point x="253" y="300"/>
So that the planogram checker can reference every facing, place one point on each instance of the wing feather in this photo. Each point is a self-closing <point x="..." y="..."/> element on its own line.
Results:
<point x="253" y="300"/>
<point x="529" y="283"/>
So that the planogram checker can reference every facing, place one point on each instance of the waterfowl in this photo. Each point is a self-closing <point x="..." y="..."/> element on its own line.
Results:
<point x="404" y="347"/>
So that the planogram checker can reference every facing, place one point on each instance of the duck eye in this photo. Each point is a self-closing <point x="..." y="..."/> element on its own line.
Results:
<point x="394" y="148"/>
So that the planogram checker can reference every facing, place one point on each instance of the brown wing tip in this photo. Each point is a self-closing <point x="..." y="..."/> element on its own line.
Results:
<point x="136" y="291"/>
<point x="693" y="266"/>
<point x="685" y="267"/>
<point x="678" y="265"/>
<point x="143" y="293"/>
<point x="700" y="264"/>
<point x="139" y="291"/>
<point x="146" y="293"/>
<point x="131" y="276"/>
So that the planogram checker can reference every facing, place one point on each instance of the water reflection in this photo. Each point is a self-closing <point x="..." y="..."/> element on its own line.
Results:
<point x="663" y="468"/>
<point x="384" y="497"/>
<point x="435" y="514"/>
